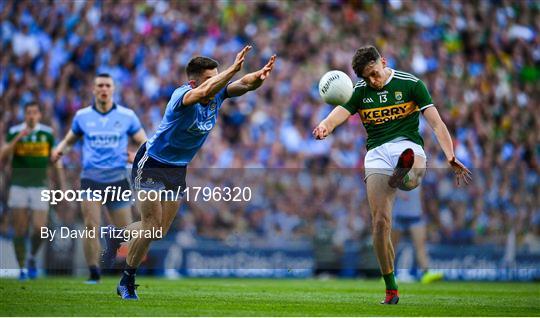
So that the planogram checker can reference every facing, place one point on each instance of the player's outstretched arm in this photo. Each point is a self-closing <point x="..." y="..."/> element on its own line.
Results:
<point x="214" y="84"/>
<point x="337" y="117"/>
<point x="463" y="175"/>
<point x="251" y="81"/>
<point x="64" y="146"/>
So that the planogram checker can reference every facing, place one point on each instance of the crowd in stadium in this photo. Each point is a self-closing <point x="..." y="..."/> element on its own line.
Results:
<point x="480" y="60"/>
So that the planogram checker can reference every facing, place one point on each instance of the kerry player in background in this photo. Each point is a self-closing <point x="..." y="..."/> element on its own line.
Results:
<point x="389" y="103"/>
<point x="105" y="128"/>
<point x="29" y="147"/>
<point x="161" y="163"/>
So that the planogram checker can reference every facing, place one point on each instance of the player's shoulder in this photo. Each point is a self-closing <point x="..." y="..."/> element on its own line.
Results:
<point x="125" y="110"/>
<point x="84" y="111"/>
<point x="15" y="129"/>
<point x="180" y="90"/>
<point x="177" y="96"/>
<point x="405" y="76"/>
<point x="45" y="128"/>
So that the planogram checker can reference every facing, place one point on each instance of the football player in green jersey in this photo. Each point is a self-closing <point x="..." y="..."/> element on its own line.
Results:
<point x="29" y="145"/>
<point x="389" y="103"/>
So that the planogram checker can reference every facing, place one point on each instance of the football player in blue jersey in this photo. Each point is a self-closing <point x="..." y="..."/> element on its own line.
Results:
<point x="408" y="217"/>
<point x="105" y="128"/>
<point x="161" y="162"/>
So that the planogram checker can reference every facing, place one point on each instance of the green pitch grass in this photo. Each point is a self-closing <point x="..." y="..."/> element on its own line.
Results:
<point x="265" y="297"/>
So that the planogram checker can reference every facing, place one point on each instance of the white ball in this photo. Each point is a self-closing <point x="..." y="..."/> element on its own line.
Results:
<point x="336" y="87"/>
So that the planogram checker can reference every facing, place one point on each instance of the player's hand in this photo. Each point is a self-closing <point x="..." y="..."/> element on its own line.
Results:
<point x="23" y="133"/>
<point x="56" y="155"/>
<point x="240" y="58"/>
<point x="265" y="71"/>
<point x="463" y="175"/>
<point x="320" y="132"/>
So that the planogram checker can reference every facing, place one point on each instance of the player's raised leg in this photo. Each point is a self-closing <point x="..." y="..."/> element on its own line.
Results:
<point x="91" y="212"/>
<point x="381" y="198"/>
<point x="414" y="178"/>
<point x="409" y="170"/>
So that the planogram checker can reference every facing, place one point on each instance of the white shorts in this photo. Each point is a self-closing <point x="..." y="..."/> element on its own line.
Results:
<point x="383" y="159"/>
<point x="27" y="197"/>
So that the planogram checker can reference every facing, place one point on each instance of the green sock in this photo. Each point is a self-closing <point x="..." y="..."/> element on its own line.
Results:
<point x="390" y="281"/>
<point x="19" y="243"/>
<point x="36" y="243"/>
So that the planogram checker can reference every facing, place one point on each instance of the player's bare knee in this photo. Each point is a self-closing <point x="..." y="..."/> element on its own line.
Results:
<point x="414" y="180"/>
<point x="410" y="185"/>
<point x="418" y="174"/>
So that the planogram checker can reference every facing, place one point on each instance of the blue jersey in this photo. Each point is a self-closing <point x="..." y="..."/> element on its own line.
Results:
<point x="408" y="203"/>
<point x="184" y="129"/>
<point x="105" y="141"/>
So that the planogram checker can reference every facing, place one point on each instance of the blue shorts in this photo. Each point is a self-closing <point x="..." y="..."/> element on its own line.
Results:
<point x="404" y="223"/>
<point x="111" y="204"/>
<point x="150" y="174"/>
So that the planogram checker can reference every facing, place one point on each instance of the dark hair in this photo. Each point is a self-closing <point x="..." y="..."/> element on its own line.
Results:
<point x="106" y="75"/>
<point x="199" y="64"/>
<point x="30" y="104"/>
<point x="363" y="57"/>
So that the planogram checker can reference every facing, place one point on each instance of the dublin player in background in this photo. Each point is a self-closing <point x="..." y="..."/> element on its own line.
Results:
<point x="389" y="103"/>
<point x="29" y="147"/>
<point x="161" y="163"/>
<point x="105" y="128"/>
<point x="408" y="218"/>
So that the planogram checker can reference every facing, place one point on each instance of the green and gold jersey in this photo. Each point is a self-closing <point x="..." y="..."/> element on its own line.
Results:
<point x="392" y="111"/>
<point x="31" y="155"/>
